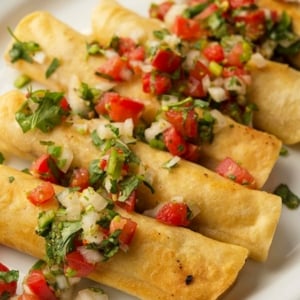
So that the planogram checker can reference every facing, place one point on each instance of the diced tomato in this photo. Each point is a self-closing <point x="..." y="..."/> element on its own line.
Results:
<point x="240" y="3"/>
<point x="193" y="153"/>
<point x="115" y="68"/>
<point x="37" y="283"/>
<point x="234" y="71"/>
<point x="80" y="178"/>
<point x="184" y="121"/>
<point x="157" y="84"/>
<point x="45" y="168"/>
<point x="174" y="141"/>
<point x="174" y="213"/>
<point x="158" y="11"/>
<point x="194" y="88"/>
<point x="119" y="108"/>
<point x="128" y="48"/>
<point x="254" y="23"/>
<point x="7" y="288"/>
<point x="187" y="29"/>
<point x="41" y="194"/>
<point x="75" y="262"/>
<point x="129" y="203"/>
<point x="208" y="11"/>
<point x="64" y="104"/>
<point x="165" y="60"/>
<point x="127" y="227"/>
<point x="214" y="52"/>
<point x="234" y="57"/>
<point x="199" y="70"/>
<point x="230" y="169"/>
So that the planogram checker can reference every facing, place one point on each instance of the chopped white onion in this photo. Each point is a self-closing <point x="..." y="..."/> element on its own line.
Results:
<point x="89" y="294"/>
<point x="89" y="197"/>
<point x="78" y="105"/>
<point x="62" y="282"/>
<point x="221" y="120"/>
<point x="66" y="158"/>
<point x="91" y="256"/>
<point x="173" y="12"/>
<point x="191" y="57"/>
<point x="91" y="231"/>
<point x="156" y="128"/>
<point x="258" y="60"/>
<point x="217" y="93"/>
<point x="70" y="200"/>
<point x="39" y="57"/>
<point x="110" y="53"/>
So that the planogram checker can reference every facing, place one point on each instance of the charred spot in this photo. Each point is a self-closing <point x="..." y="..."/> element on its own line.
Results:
<point x="189" y="279"/>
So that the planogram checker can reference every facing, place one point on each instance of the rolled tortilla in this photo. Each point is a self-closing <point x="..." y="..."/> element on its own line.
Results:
<point x="159" y="260"/>
<point x="233" y="140"/>
<point x="275" y="89"/>
<point x="226" y="211"/>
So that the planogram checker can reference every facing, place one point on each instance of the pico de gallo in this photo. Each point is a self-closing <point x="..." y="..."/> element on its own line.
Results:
<point x="8" y="282"/>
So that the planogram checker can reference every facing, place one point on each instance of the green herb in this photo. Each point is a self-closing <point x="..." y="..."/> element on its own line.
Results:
<point x="128" y="185"/>
<point x="110" y="246"/>
<point x="22" y="81"/>
<point x="52" y="67"/>
<point x="46" y="116"/>
<point x="194" y="10"/>
<point x="22" y="50"/>
<point x="11" y="179"/>
<point x="88" y="93"/>
<point x="283" y="151"/>
<point x="94" y="48"/>
<point x="96" y="174"/>
<point x="161" y="34"/>
<point x="288" y="197"/>
<point x="9" y="276"/>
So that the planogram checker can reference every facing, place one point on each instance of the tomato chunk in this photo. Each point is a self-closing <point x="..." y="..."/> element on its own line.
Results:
<point x="42" y="193"/>
<point x="7" y="288"/>
<point x="80" y="178"/>
<point x="78" y="264"/>
<point x="174" y="141"/>
<point x="157" y="84"/>
<point x="187" y="29"/>
<point x="129" y="203"/>
<point x="127" y="227"/>
<point x="159" y="11"/>
<point x="119" y="108"/>
<point x="166" y="60"/>
<point x="174" y="213"/>
<point x="37" y="283"/>
<point x="233" y="171"/>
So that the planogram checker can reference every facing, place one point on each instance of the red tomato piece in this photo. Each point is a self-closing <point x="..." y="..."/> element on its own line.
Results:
<point x="80" y="178"/>
<point x="230" y="169"/>
<point x="254" y="23"/>
<point x="115" y="68"/>
<point x="234" y="57"/>
<point x="166" y="60"/>
<point x="240" y="3"/>
<point x="214" y="52"/>
<point x="129" y="203"/>
<point x="127" y="227"/>
<point x="194" y="88"/>
<point x="7" y="287"/>
<point x="234" y="71"/>
<point x="128" y="48"/>
<point x="41" y="194"/>
<point x="199" y="70"/>
<point x="156" y="84"/>
<point x="208" y="11"/>
<point x="119" y="108"/>
<point x="187" y="29"/>
<point x="174" y="213"/>
<point x="77" y="263"/>
<point x="193" y="153"/>
<point x="45" y="168"/>
<point x="37" y="283"/>
<point x="64" y="104"/>
<point x="184" y="122"/>
<point x="159" y="11"/>
<point x="174" y="141"/>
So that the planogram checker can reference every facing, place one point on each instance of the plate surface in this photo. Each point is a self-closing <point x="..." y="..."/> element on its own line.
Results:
<point x="278" y="277"/>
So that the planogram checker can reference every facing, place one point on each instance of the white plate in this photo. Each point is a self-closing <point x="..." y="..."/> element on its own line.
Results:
<point x="278" y="277"/>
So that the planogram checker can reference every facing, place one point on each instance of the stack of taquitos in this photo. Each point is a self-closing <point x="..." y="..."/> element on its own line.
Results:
<point x="272" y="87"/>
<point x="157" y="264"/>
<point x="243" y="144"/>
<point x="227" y="211"/>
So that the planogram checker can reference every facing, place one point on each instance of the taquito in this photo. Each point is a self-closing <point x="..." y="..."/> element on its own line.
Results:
<point x="241" y="143"/>
<point x="270" y="89"/>
<point x="159" y="260"/>
<point x="226" y="211"/>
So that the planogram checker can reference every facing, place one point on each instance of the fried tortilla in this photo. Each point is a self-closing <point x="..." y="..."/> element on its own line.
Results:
<point x="243" y="144"/>
<point x="159" y="260"/>
<point x="226" y="211"/>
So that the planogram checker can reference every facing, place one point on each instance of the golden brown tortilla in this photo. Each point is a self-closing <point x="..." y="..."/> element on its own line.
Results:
<point x="226" y="211"/>
<point x="241" y="143"/>
<point x="157" y="264"/>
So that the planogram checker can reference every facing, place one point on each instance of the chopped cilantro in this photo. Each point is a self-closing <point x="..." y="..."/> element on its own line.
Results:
<point x="52" y="67"/>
